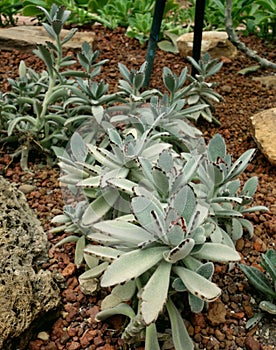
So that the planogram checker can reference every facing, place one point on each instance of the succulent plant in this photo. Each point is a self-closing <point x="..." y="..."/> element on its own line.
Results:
<point x="264" y="282"/>
<point x="40" y="110"/>
<point x="160" y="247"/>
<point x="160" y="215"/>
<point x="159" y="203"/>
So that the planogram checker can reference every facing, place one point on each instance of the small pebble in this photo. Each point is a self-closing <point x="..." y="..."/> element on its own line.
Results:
<point x="252" y="344"/>
<point x="43" y="336"/>
<point x="25" y="188"/>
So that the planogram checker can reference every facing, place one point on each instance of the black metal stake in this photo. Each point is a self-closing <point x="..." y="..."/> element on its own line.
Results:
<point x="154" y="36"/>
<point x="199" y="18"/>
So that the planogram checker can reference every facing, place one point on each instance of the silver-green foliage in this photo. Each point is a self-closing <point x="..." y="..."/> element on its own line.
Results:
<point x="161" y="213"/>
<point x="43" y="109"/>
<point x="39" y="111"/>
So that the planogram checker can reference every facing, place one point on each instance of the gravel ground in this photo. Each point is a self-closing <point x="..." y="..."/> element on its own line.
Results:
<point x="222" y="326"/>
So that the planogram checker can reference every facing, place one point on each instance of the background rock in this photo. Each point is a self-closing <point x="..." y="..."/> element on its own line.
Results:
<point x="26" y="38"/>
<point x="215" y="43"/>
<point x="28" y="296"/>
<point x="264" y="133"/>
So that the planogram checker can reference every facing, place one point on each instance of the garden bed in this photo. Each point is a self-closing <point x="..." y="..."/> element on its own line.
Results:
<point x="223" y="325"/>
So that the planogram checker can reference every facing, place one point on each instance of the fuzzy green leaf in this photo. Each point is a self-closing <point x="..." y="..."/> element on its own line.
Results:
<point x="268" y="307"/>
<point x="151" y="341"/>
<point x="196" y="304"/>
<point x="258" y="280"/>
<point x="236" y="230"/>
<point x="268" y="262"/>
<point x="123" y="231"/>
<point x="131" y="265"/>
<point x="79" y="251"/>
<point x="179" y="332"/>
<point x="197" y="284"/>
<point x="121" y="309"/>
<point x="155" y="293"/>
<point x="240" y="164"/>
<point x="216" y="252"/>
<point x="94" y="272"/>
<point x="99" y="207"/>
<point x="143" y="209"/>
<point x="104" y="253"/>
<point x="180" y="252"/>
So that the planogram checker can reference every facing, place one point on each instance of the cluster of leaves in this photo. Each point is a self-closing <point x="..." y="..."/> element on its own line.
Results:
<point x="264" y="282"/>
<point x="159" y="203"/>
<point x="8" y="11"/>
<point x="43" y="109"/>
<point x="136" y="16"/>
<point x="258" y="17"/>
<point x="36" y="112"/>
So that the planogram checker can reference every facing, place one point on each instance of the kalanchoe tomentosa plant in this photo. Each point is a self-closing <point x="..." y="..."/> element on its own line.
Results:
<point x="160" y="212"/>
<point x="39" y="110"/>
<point x="159" y="203"/>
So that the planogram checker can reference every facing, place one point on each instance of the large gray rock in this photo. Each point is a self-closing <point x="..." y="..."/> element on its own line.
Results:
<point x="264" y="133"/>
<point x="28" y="295"/>
<point x="26" y="38"/>
<point x="213" y="42"/>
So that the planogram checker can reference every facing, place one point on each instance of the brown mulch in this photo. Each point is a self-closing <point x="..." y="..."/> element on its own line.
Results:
<point x="222" y="326"/>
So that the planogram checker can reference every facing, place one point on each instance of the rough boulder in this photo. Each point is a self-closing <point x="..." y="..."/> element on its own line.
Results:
<point x="29" y="296"/>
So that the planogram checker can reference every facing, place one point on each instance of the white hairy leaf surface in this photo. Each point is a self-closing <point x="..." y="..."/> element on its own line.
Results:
<point x="155" y="292"/>
<point x="131" y="265"/>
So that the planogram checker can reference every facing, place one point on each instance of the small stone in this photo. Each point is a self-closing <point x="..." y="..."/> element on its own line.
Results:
<point x="216" y="313"/>
<point x="87" y="337"/>
<point x="98" y="341"/>
<point x="69" y="270"/>
<point x="72" y="331"/>
<point x="108" y="347"/>
<point x="252" y="344"/>
<point x="248" y="310"/>
<point x="35" y="344"/>
<point x="240" y="244"/>
<point x="226" y="88"/>
<point x="74" y="346"/>
<point x="25" y="188"/>
<point x="43" y="336"/>
<point x="219" y="335"/>
<point x="232" y="288"/>
<point x="259" y="245"/>
<point x="64" y="337"/>
<point x="198" y="320"/>
<point x="198" y="338"/>
<point x="238" y="315"/>
<point x="50" y="346"/>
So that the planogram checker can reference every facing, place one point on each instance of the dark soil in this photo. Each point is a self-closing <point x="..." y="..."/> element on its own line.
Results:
<point x="223" y="325"/>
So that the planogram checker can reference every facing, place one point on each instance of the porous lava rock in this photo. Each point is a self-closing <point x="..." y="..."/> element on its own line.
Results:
<point x="29" y="295"/>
